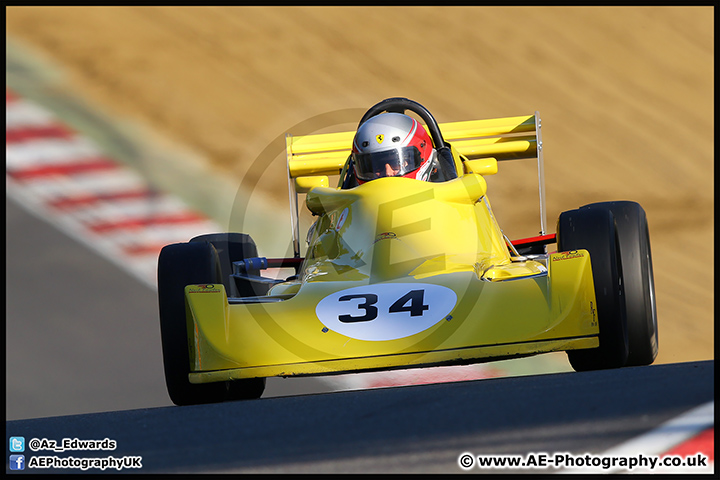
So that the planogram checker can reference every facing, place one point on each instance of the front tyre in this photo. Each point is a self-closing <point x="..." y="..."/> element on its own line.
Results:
<point x="594" y="230"/>
<point x="638" y="279"/>
<point x="235" y="247"/>
<point x="179" y="265"/>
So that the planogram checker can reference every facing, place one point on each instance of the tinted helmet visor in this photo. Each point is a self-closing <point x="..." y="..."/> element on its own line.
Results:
<point x="388" y="163"/>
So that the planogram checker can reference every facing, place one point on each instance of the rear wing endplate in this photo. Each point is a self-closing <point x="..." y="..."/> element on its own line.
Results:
<point x="508" y="138"/>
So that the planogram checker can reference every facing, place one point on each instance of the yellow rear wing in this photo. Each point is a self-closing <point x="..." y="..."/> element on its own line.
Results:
<point x="501" y="138"/>
<point x="479" y="143"/>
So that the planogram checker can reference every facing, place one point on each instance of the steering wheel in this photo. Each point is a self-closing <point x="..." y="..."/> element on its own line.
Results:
<point x="401" y="105"/>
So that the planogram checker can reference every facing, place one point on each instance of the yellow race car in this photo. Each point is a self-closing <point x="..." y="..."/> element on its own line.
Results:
<point x="403" y="273"/>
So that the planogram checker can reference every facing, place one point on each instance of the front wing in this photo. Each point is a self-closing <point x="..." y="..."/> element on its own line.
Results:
<point x="341" y="327"/>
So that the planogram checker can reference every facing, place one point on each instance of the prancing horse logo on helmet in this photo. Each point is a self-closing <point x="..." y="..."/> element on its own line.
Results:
<point x="380" y="138"/>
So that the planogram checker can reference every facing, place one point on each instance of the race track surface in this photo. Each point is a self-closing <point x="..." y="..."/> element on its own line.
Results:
<point x="412" y="429"/>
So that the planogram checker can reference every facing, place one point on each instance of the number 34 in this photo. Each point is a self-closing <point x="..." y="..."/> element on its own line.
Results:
<point x="412" y="302"/>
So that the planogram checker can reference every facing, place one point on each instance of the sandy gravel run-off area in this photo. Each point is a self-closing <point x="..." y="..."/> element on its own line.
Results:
<point x="625" y="94"/>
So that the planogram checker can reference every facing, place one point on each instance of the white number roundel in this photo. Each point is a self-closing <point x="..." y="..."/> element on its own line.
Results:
<point x="385" y="311"/>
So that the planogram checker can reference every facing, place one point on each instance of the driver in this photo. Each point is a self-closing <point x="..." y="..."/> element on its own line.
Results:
<point x="393" y="145"/>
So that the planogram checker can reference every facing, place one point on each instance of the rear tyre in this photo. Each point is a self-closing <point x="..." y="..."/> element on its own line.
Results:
<point x="594" y="230"/>
<point x="638" y="280"/>
<point x="234" y="247"/>
<point x="179" y="265"/>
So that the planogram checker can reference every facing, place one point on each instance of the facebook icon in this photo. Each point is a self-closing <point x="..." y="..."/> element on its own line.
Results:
<point x="17" y="462"/>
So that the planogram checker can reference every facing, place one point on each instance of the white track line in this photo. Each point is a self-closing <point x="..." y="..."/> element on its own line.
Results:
<point x="88" y="183"/>
<point x="47" y="152"/>
<point x="21" y="114"/>
<point x="661" y="440"/>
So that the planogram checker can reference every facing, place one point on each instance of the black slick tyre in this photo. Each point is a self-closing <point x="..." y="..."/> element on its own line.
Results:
<point x="179" y="265"/>
<point x="234" y="247"/>
<point x="594" y="230"/>
<point x="638" y="279"/>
